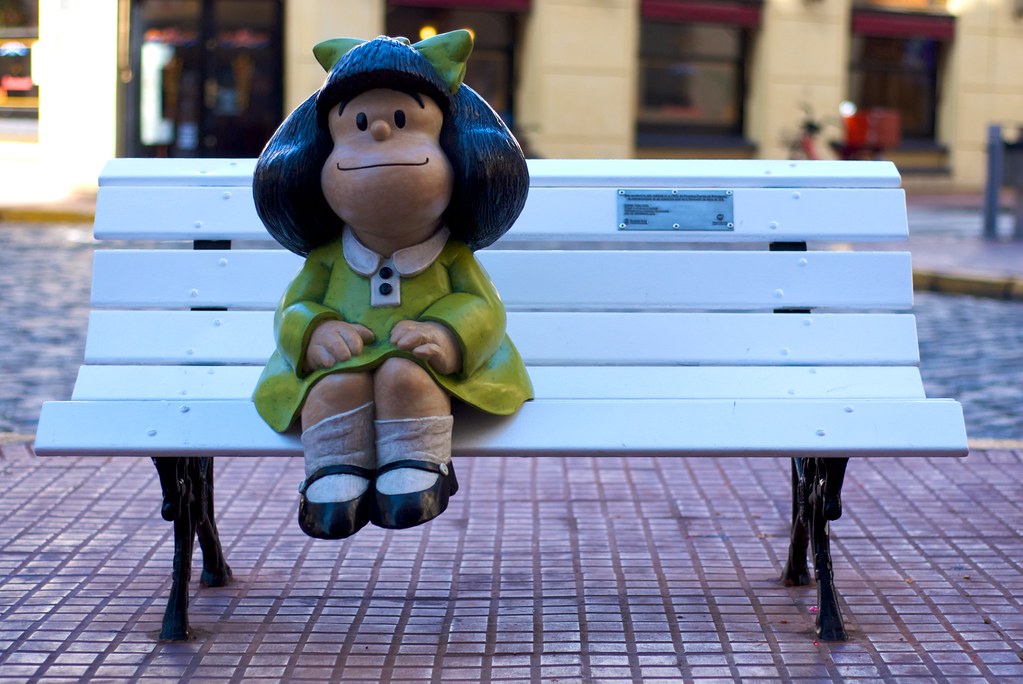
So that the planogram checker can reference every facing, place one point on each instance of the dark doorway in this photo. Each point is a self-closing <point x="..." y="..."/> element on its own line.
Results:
<point x="205" y="78"/>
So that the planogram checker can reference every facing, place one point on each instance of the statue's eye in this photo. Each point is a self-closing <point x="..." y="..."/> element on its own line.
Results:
<point x="361" y="121"/>
<point x="399" y="119"/>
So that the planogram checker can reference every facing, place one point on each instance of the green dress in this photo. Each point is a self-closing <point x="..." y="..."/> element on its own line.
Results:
<point x="453" y="290"/>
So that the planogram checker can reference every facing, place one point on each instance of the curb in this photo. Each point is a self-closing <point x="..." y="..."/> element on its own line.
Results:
<point x="989" y="287"/>
<point x="18" y="215"/>
<point x="982" y="444"/>
<point x="8" y="438"/>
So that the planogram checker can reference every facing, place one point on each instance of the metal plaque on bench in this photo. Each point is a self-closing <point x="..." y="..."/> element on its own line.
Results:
<point x="688" y="210"/>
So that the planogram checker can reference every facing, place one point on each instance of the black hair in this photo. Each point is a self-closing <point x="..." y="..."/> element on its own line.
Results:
<point x="490" y="175"/>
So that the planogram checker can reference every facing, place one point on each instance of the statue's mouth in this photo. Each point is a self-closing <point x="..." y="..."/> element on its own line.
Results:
<point x="376" y="166"/>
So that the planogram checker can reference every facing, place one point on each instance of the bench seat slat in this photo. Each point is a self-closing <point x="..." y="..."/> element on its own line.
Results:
<point x="537" y="280"/>
<point x="543" y="427"/>
<point x="197" y="383"/>
<point x="544" y="339"/>
<point x="760" y="214"/>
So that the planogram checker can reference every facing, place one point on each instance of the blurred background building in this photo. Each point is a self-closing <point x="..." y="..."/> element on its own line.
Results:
<point x="84" y="80"/>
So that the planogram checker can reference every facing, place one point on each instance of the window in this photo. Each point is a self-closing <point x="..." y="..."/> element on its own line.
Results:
<point x="895" y="61"/>
<point x="207" y="78"/>
<point x="692" y="81"/>
<point x="901" y="74"/>
<point x="491" y="68"/>
<point x="905" y="5"/>
<point x="19" y="95"/>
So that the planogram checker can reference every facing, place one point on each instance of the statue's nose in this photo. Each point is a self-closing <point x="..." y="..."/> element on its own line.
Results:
<point x="380" y="130"/>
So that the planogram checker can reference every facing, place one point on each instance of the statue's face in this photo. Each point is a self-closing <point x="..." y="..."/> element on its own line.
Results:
<point x="387" y="176"/>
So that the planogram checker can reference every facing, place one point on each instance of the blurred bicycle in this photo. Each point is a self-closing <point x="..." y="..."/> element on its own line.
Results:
<point x="803" y="145"/>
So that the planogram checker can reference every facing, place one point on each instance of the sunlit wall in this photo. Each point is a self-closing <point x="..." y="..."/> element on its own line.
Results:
<point x="76" y="69"/>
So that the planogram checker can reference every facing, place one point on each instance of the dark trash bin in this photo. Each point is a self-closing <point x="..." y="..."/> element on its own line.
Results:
<point x="1012" y="166"/>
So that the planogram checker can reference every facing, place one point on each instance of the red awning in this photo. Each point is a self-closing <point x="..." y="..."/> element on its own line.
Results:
<point x="903" y="25"/>
<point x="739" y="13"/>
<point x="493" y="5"/>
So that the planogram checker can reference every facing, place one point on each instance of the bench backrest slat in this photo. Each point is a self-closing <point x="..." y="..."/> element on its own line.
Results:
<point x="559" y="280"/>
<point x="760" y="214"/>
<point x="189" y="199"/>
<point x="634" y="173"/>
<point x="177" y="213"/>
<point x="245" y="337"/>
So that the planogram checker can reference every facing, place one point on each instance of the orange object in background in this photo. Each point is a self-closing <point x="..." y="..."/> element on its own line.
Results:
<point x="869" y="132"/>
<point x="855" y="129"/>
<point x="875" y="128"/>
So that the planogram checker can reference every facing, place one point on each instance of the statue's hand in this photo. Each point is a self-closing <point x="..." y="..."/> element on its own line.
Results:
<point x="431" y="342"/>
<point x="335" y="341"/>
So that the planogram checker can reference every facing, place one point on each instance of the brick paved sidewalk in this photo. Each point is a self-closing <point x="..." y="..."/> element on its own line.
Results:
<point x="660" y="569"/>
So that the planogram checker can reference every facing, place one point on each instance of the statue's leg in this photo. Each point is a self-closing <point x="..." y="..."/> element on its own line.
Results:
<point x="796" y="572"/>
<point x="340" y="456"/>
<point x="215" y="570"/>
<point x="829" y="624"/>
<point x="415" y="475"/>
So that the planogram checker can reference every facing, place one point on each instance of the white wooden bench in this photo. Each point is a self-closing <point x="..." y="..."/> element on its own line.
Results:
<point x="737" y="350"/>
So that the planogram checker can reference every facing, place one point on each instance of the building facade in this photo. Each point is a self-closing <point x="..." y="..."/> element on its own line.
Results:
<point x="574" y="78"/>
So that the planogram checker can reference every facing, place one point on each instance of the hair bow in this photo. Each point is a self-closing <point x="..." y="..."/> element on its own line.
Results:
<point x="446" y="52"/>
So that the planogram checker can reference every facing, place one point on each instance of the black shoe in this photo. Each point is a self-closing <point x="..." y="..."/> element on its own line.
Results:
<point x="334" y="519"/>
<point x="399" y="511"/>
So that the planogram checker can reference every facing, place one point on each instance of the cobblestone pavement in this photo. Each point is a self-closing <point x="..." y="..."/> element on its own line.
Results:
<point x="45" y="275"/>
<point x="971" y="348"/>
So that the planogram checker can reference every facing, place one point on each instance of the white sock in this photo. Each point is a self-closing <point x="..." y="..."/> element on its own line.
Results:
<point x="344" y="438"/>
<point x="421" y="439"/>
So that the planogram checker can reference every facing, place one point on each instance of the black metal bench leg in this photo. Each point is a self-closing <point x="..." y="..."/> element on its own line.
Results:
<point x="816" y="500"/>
<point x="187" y="485"/>
<point x="175" y="617"/>
<point x="176" y="480"/>
<point x="215" y="570"/>
<point x="826" y="496"/>
<point x="796" y="572"/>
<point x="834" y="478"/>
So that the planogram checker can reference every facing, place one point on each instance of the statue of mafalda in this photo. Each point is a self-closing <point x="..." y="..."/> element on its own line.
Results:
<point x="387" y="180"/>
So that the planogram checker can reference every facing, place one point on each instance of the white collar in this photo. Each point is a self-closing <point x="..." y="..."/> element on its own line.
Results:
<point x="409" y="261"/>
